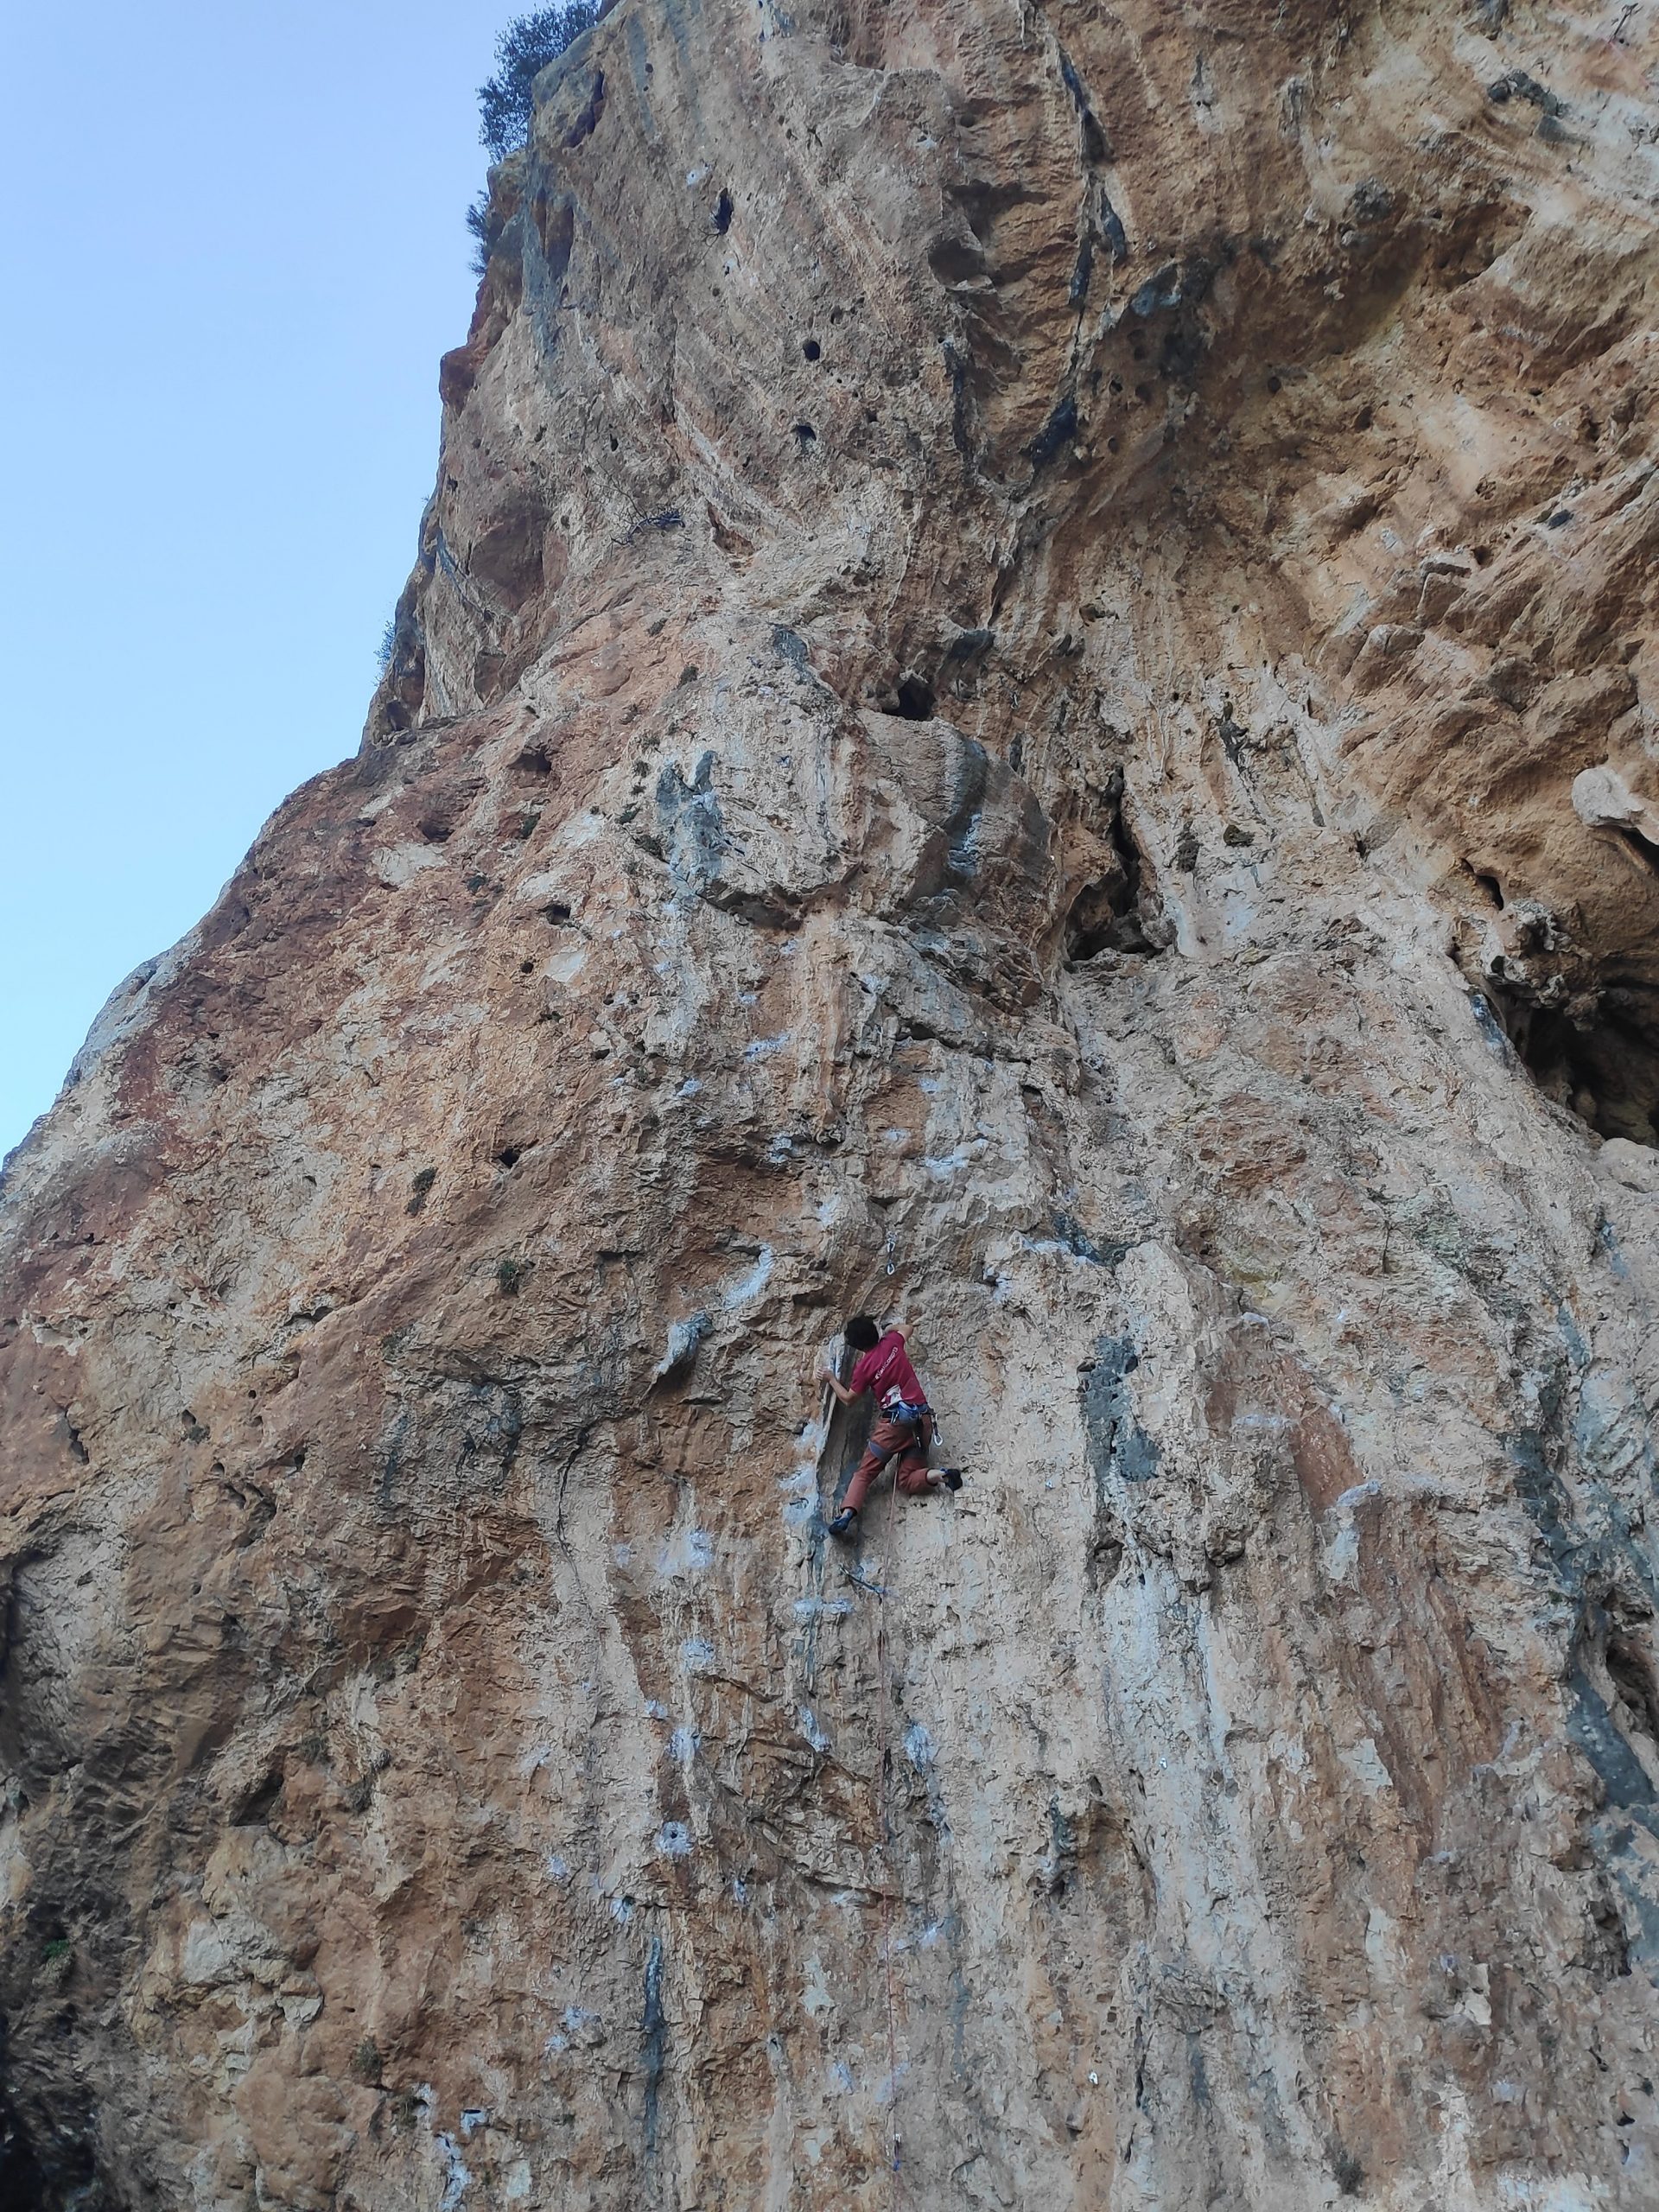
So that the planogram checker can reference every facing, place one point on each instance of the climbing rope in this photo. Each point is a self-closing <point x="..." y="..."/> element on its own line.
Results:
<point x="880" y="1591"/>
<point x="891" y="1855"/>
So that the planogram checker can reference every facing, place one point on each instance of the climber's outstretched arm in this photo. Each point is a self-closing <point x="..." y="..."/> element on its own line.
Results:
<point x="847" y="1397"/>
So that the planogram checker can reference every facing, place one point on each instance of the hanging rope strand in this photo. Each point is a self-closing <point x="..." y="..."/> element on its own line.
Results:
<point x="889" y="1852"/>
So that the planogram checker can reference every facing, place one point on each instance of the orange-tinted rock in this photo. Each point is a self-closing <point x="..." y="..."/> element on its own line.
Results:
<point x="985" y="728"/>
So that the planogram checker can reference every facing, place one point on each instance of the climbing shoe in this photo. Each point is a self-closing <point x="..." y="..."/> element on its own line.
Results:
<point x="842" y="1523"/>
<point x="951" y="1477"/>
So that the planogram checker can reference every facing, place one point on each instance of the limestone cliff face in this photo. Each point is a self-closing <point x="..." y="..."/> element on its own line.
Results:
<point x="986" y="727"/>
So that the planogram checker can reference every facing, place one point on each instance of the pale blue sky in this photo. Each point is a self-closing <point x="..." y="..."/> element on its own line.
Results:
<point x="232" y="246"/>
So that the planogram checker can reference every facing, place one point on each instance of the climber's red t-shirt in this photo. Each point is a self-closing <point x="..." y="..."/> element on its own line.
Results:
<point x="886" y="1367"/>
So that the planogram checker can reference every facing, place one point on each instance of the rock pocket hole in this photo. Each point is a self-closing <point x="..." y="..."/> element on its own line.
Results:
<point x="721" y="218"/>
<point x="259" y="1802"/>
<point x="1104" y="1560"/>
<point x="811" y="349"/>
<point x="556" y="911"/>
<point x="804" y="434"/>
<point x="509" y="1156"/>
<point x="534" y="761"/>
<point x="1096" y="921"/>
<point x="915" y="700"/>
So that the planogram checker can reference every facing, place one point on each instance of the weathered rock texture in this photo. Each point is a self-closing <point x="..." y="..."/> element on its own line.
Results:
<point x="986" y="727"/>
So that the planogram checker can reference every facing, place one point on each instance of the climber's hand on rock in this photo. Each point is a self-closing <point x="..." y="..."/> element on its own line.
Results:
<point x="829" y="1374"/>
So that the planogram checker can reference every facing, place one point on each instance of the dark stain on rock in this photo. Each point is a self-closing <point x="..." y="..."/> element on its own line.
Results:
<point x="691" y="828"/>
<point x="653" y="2028"/>
<point x="1119" y="1448"/>
<point x="1059" y="430"/>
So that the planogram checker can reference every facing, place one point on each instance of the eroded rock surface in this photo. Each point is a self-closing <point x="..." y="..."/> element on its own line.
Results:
<point x="986" y="727"/>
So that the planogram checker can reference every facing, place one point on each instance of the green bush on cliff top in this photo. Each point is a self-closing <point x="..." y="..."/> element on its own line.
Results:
<point x="528" y="44"/>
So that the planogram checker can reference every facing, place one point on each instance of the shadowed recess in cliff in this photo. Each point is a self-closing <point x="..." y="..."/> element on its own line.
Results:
<point x="1599" y="1057"/>
<point x="22" y="2180"/>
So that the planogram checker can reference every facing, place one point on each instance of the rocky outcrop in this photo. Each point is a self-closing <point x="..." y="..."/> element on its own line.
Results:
<point x="988" y="726"/>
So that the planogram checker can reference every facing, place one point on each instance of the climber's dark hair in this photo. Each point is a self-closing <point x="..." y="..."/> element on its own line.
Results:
<point x="863" y="1333"/>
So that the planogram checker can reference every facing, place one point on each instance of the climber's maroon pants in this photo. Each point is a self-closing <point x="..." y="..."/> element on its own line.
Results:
<point x="907" y="1444"/>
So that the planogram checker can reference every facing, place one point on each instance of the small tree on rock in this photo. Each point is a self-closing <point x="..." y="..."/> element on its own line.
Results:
<point x="528" y="44"/>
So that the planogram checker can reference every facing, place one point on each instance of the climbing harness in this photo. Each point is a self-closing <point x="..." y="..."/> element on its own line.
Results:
<point x="898" y="1408"/>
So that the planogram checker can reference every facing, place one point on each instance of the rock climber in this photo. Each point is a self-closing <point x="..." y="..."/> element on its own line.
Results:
<point x="904" y="1426"/>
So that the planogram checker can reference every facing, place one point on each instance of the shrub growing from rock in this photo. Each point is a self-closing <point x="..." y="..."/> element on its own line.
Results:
<point x="528" y="44"/>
